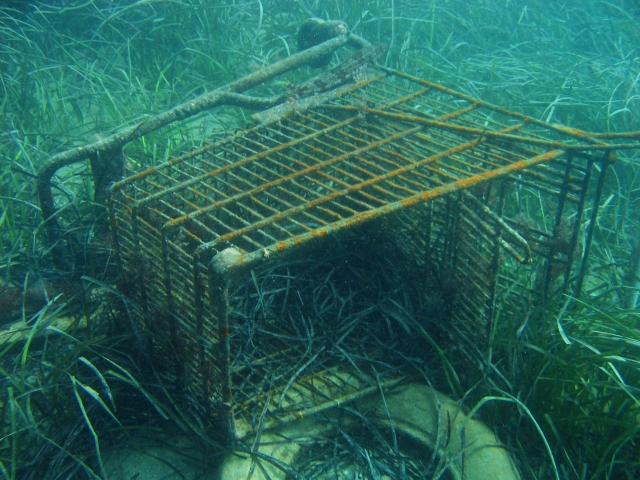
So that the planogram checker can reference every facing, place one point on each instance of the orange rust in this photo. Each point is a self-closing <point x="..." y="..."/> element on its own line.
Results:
<point x="318" y="233"/>
<point x="468" y="182"/>
<point x="134" y="177"/>
<point x="459" y="113"/>
<point x="407" y="202"/>
<point x="500" y="134"/>
<point x="194" y="236"/>
<point x="571" y="131"/>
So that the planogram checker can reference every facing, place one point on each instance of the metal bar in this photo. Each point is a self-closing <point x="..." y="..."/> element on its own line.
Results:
<point x="112" y="146"/>
<point x="577" y="224"/>
<point x="607" y="159"/>
<point x="336" y="402"/>
<point x="499" y="135"/>
<point x="556" y="227"/>
<point x="166" y="280"/>
<point x="219" y="298"/>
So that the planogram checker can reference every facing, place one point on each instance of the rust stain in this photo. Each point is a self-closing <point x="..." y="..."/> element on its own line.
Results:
<point x="134" y="177"/>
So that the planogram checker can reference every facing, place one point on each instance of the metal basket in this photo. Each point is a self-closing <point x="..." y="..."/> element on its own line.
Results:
<point x="268" y="264"/>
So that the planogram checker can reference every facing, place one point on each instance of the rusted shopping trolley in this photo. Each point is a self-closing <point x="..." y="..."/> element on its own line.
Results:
<point x="361" y="162"/>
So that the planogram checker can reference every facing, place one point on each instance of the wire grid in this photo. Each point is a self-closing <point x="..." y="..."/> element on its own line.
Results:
<point x="296" y="324"/>
<point x="375" y="148"/>
<point x="357" y="156"/>
<point x="516" y="240"/>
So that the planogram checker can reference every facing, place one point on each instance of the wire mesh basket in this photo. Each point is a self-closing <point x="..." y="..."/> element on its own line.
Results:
<point x="287" y="268"/>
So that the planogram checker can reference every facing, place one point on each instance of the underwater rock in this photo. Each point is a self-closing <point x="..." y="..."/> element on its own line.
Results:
<point x="18" y="303"/>
<point x="152" y="456"/>
<point x="226" y="260"/>
<point x="283" y="444"/>
<point x="429" y="417"/>
<point x="435" y="420"/>
<point x="315" y="31"/>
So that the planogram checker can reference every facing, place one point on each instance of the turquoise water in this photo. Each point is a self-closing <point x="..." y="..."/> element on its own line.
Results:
<point x="556" y="381"/>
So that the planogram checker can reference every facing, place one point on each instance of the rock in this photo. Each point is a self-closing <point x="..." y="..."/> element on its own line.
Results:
<point x="467" y="446"/>
<point x="315" y="31"/>
<point x="154" y="456"/>
<point x="436" y="421"/>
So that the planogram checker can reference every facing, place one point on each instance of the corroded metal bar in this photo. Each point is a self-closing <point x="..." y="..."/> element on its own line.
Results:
<point x="578" y="222"/>
<point x="340" y="400"/>
<point x="608" y="159"/>
<point x="375" y="148"/>
<point x="219" y="295"/>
